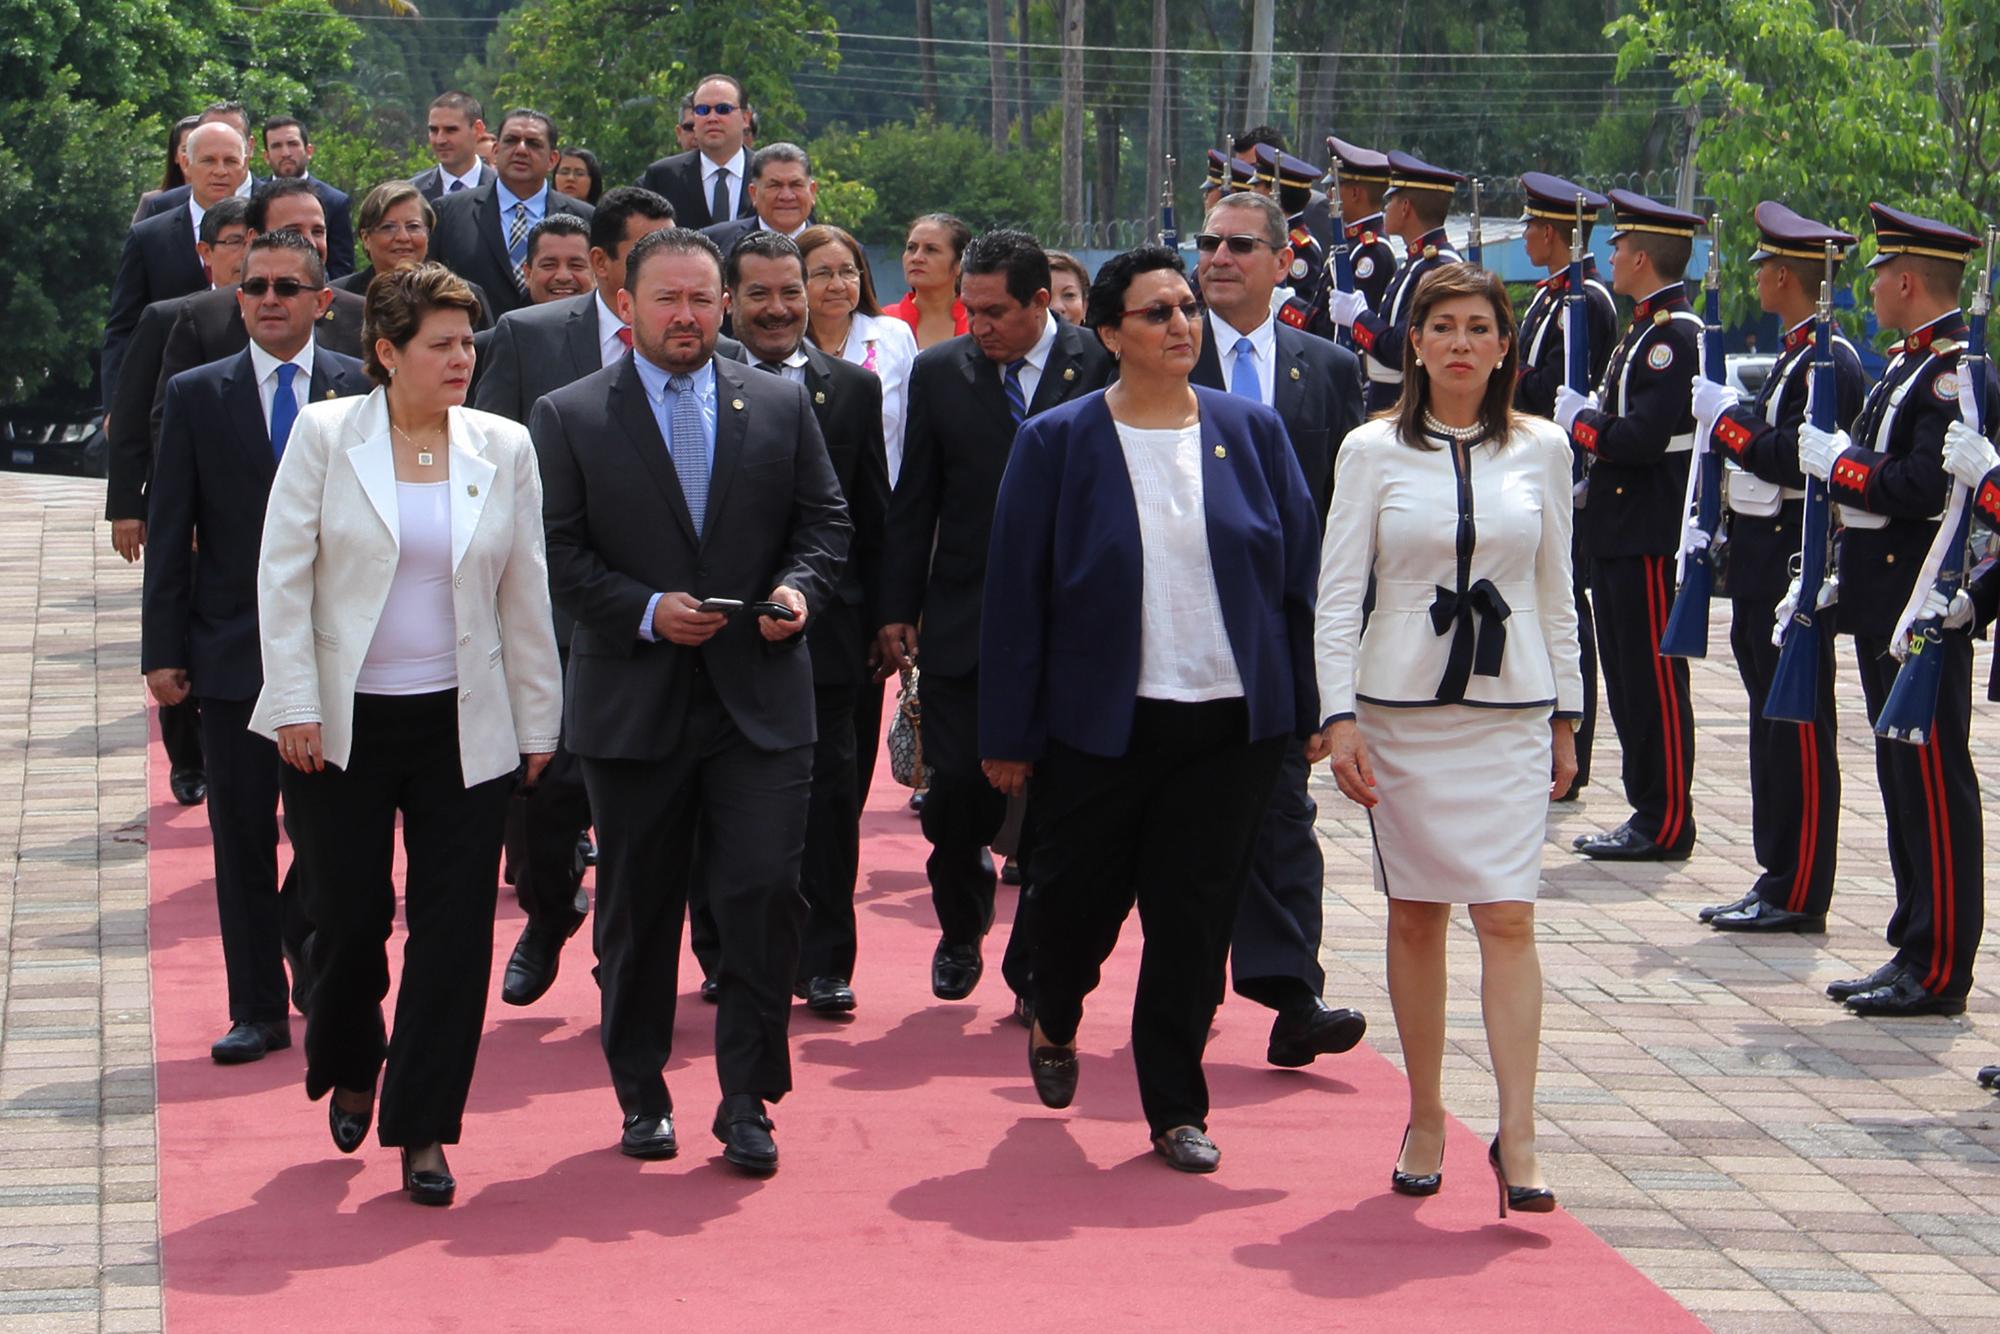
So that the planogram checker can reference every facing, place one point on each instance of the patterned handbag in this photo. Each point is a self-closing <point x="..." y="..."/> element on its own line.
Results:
<point x="906" y="746"/>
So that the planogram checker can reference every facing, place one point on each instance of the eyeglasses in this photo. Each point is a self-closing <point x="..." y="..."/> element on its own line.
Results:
<point x="228" y="242"/>
<point x="712" y="108"/>
<point x="388" y="229"/>
<point x="286" y="288"/>
<point x="1164" y="313"/>
<point x="1242" y="243"/>
<point x="847" y="273"/>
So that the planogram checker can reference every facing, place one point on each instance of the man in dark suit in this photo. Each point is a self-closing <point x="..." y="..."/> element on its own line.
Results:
<point x="669" y="479"/>
<point x="967" y="397"/>
<point x="707" y="184"/>
<point x="159" y="260"/>
<point x="529" y="353"/>
<point x="224" y="431"/>
<point x="454" y="123"/>
<point x="766" y="280"/>
<point x="1315" y="386"/>
<point x="482" y="234"/>
<point x="209" y="325"/>
<point x="288" y="152"/>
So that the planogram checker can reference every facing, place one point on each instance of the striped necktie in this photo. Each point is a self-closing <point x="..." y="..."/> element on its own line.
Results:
<point x="517" y="247"/>
<point x="1017" y="397"/>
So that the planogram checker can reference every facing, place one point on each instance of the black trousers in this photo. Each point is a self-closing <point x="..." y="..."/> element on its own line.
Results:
<point x="867" y="735"/>
<point x="1586" y="644"/>
<point x="1794" y="769"/>
<point x="1169" y="825"/>
<point x="259" y="916"/>
<point x="343" y="823"/>
<point x="543" y="826"/>
<point x="746" y="809"/>
<point x="1274" y="953"/>
<point x="1930" y="796"/>
<point x="963" y="811"/>
<point x="180" y="733"/>
<point x="1647" y="694"/>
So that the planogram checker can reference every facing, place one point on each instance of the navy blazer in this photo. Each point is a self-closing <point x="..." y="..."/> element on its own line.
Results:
<point x="336" y="204"/>
<point x="1059" y="645"/>
<point x="159" y="262"/>
<point x="211" y="486"/>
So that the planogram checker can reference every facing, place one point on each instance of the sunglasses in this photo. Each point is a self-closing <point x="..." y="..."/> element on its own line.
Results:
<point x="1164" y="314"/>
<point x="1242" y="243"/>
<point x="286" y="288"/>
<point x="713" y="108"/>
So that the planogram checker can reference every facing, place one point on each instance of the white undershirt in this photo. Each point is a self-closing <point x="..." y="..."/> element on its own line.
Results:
<point x="1184" y="651"/>
<point x="412" y="652"/>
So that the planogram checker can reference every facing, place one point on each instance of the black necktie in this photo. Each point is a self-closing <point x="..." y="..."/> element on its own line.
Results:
<point x="771" y="366"/>
<point x="718" y="207"/>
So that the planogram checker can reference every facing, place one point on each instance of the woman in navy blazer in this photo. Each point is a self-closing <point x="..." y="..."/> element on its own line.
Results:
<point x="1146" y="650"/>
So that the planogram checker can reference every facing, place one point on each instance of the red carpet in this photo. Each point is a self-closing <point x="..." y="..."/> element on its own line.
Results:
<point x="923" y="1186"/>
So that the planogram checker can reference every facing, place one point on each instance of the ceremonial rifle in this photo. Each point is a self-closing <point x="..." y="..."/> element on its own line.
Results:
<point x="1911" y="708"/>
<point x="1170" y="234"/>
<point x="1576" y="312"/>
<point x="1794" y="696"/>
<point x="1475" y="252"/>
<point x="1686" y="635"/>
<point x="1228" y="165"/>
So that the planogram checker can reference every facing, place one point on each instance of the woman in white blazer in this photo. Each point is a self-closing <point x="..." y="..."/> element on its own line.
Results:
<point x="1451" y="716"/>
<point x="844" y="320"/>
<point x="409" y="666"/>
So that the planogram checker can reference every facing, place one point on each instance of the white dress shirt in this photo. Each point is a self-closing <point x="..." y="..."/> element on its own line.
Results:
<point x="266" y="367"/>
<point x="610" y="346"/>
<point x="470" y="180"/>
<point x="1263" y="349"/>
<point x="1038" y="358"/>
<point x="1184" y="651"/>
<point x="885" y="345"/>
<point x="792" y="368"/>
<point x="739" y="167"/>
<point x="196" y="212"/>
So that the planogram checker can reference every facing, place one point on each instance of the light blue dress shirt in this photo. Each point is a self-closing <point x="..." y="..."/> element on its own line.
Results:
<point x="538" y="207"/>
<point x="659" y="398"/>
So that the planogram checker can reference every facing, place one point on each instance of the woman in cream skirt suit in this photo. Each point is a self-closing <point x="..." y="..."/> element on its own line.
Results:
<point x="1450" y="717"/>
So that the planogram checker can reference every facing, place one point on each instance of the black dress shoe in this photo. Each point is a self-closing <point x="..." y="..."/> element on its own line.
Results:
<point x="917" y="803"/>
<point x="649" y="1137"/>
<point x="1301" y="1032"/>
<point x="1626" y="844"/>
<point x="433" y="1188"/>
<point x="745" y="1132"/>
<point x="1414" y="1183"/>
<point x="955" y="970"/>
<point x="1053" y="1069"/>
<point x="829" y="995"/>
<point x="1010" y="871"/>
<point x="1710" y="913"/>
<point x="1761" y="916"/>
<point x="711" y="990"/>
<point x="1989" y="1077"/>
<point x="190" y="786"/>
<point x="586" y="849"/>
<point x="1854" y="986"/>
<point x="245" y="1042"/>
<point x="1188" y="1150"/>
<point x="1903" y="998"/>
<point x="1024" y="1011"/>
<point x="531" y="969"/>
<point x="349" y="1128"/>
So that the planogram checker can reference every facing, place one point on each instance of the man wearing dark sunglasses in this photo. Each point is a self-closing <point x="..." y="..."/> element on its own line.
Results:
<point x="1315" y="387"/>
<point x="706" y="183"/>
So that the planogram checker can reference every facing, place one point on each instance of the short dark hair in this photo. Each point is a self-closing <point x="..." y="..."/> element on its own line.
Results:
<point x="287" y="239"/>
<point x="619" y="206"/>
<point x="399" y="300"/>
<point x="761" y="244"/>
<point x="674" y="240"/>
<point x="228" y="212"/>
<point x="779" y="152"/>
<point x="1259" y="135"/>
<point x="529" y="113"/>
<point x="287" y="122"/>
<point x="825" y="234"/>
<point x="1432" y="207"/>
<point x="464" y="104"/>
<point x="276" y="188"/>
<point x="1670" y="254"/>
<point x="742" y="99"/>
<point x="1942" y="278"/>
<point x="1106" y="303"/>
<point x="1014" y="253"/>
<point x="556" y="224"/>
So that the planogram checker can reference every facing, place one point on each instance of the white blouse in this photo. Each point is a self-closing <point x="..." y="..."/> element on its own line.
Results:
<point x="1471" y="561"/>
<point x="886" y="346"/>
<point x="1184" y="651"/>
<point x="412" y="652"/>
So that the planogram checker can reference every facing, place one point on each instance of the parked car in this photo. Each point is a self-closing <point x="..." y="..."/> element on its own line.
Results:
<point x="1747" y="371"/>
<point x="58" y="431"/>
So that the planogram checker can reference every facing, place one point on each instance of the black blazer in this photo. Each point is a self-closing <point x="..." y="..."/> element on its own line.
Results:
<point x="678" y="180"/>
<point x="209" y="327"/>
<point x="619" y="531"/>
<point x="1317" y="393"/>
<point x="471" y="242"/>
<point x="128" y="427"/>
<point x="430" y="181"/>
<point x="158" y="262"/>
<point x="337" y="205"/>
<point x="956" y="441"/>
<point x="534" y="350"/>
<point x="210" y="490"/>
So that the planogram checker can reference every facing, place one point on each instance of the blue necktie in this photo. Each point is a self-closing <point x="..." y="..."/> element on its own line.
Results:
<point x="1243" y="375"/>
<point x="284" y="409"/>
<point x="1017" y="397"/>
<point x="689" y="446"/>
<point x="456" y="186"/>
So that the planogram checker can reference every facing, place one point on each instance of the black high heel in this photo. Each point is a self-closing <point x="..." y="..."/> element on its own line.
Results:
<point x="349" y="1128"/>
<point x="1521" y="1199"/>
<point x="1412" y="1183"/>
<point x="433" y="1188"/>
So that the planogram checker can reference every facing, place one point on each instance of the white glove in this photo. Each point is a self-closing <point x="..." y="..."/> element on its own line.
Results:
<point x="1968" y="455"/>
<point x="1696" y="538"/>
<point x="1569" y="403"/>
<point x="1818" y="450"/>
<point x="1345" y="307"/>
<point x="1829" y="593"/>
<point x="1956" y="614"/>
<point x="1710" y="399"/>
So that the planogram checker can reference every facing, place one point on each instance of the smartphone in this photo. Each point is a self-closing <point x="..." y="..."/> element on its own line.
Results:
<point x="720" y="606"/>
<point x="777" y="611"/>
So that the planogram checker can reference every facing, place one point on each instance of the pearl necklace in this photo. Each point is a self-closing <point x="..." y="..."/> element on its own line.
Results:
<point x="1464" y="435"/>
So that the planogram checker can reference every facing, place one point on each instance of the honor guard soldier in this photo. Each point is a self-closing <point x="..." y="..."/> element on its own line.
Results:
<point x="1889" y="487"/>
<point x="1302" y="308"/>
<point x="1364" y="179"/>
<point x="1638" y="433"/>
<point x="1794" y="770"/>
<point x="1548" y="223"/>
<point x="1414" y="210"/>
<point x="1211" y="185"/>
<point x="1242" y="176"/>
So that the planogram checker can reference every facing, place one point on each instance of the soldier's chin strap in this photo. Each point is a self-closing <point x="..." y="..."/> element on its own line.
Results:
<point x="1954" y="510"/>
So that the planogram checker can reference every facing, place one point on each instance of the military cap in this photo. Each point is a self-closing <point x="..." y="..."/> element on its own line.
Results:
<point x="1359" y="164"/>
<point x="1410" y="173"/>
<point x="1274" y="164"/>
<point x="1900" y="233"/>
<point x="1553" y="199"/>
<point x="1783" y="234"/>
<point x="1636" y="213"/>
<point x="1215" y="169"/>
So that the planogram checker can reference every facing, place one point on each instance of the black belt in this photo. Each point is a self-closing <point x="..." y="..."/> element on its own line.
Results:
<point x="1472" y="649"/>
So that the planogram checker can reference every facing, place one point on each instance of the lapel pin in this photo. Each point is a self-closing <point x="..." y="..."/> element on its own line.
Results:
<point x="736" y="403"/>
<point x="1295" y="372"/>
<point x="471" y="490"/>
<point x="819" y="396"/>
<point x="1069" y="372"/>
<point x="1221" y="453"/>
<point x="333" y="393"/>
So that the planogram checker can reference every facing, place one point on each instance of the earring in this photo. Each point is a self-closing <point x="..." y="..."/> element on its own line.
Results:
<point x="1416" y="359"/>
<point x="392" y="372"/>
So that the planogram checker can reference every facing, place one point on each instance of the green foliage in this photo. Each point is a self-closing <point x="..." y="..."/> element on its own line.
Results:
<point x="919" y="168"/>
<point x="294" y="47"/>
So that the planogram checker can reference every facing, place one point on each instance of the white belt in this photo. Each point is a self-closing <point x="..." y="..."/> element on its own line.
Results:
<point x="1750" y="495"/>
<point x="1379" y="373"/>
<point x="1850" y="517"/>
<point x="1681" y="444"/>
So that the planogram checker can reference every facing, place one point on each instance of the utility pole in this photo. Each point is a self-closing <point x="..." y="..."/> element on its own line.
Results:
<point x="996" y="64"/>
<point x="1257" y="108"/>
<point x="1072" y="112"/>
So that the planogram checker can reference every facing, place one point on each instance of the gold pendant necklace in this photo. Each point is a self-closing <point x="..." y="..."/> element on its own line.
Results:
<point x="424" y="456"/>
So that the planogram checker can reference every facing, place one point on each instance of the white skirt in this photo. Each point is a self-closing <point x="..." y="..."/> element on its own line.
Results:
<point x="1464" y="801"/>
